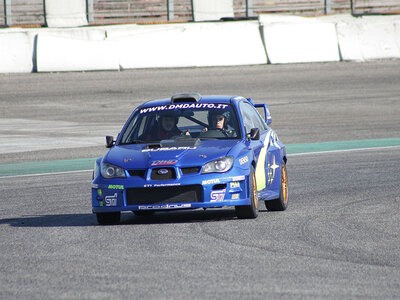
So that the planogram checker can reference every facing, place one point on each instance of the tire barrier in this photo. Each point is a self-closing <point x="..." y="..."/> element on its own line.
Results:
<point x="273" y="39"/>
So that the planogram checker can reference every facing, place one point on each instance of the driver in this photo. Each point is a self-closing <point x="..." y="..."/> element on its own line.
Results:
<point x="218" y="120"/>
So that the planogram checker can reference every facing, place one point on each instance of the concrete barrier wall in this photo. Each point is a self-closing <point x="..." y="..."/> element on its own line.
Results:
<point x="397" y="33"/>
<point x="293" y="39"/>
<point x="283" y="39"/>
<point x="191" y="45"/>
<point x="58" y="54"/>
<point x="300" y="42"/>
<point x="366" y="41"/>
<point x="16" y="52"/>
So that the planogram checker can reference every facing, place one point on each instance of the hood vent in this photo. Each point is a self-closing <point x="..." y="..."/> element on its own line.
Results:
<point x="185" y="98"/>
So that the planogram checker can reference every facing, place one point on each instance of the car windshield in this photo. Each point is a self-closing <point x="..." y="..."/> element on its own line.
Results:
<point x="181" y="121"/>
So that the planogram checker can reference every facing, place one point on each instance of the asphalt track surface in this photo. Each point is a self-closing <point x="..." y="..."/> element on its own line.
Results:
<point x="338" y="239"/>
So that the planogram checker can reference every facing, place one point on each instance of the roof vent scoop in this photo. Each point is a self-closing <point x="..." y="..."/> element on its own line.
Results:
<point x="186" y="97"/>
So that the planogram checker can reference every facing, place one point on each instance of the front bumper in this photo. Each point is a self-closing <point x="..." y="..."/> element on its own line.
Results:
<point x="188" y="192"/>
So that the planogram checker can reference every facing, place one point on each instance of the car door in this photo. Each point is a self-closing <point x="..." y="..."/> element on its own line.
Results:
<point x="252" y="119"/>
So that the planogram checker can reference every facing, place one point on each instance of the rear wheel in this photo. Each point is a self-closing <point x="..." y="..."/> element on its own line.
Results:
<point x="108" y="218"/>
<point x="249" y="211"/>
<point x="282" y="202"/>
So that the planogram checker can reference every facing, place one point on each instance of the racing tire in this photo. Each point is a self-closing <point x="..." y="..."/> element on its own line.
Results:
<point x="281" y="203"/>
<point x="112" y="218"/>
<point x="249" y="211"/>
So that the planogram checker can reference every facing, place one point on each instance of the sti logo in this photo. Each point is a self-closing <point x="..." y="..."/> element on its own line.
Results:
<point x="111" y="200"/>
<point x="217" y="196"/>
<point x="164" y="162"/>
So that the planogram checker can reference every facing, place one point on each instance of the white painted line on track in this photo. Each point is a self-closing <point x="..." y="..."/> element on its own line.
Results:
<point x="345" y="150"/>
<point x="44" y="174"/>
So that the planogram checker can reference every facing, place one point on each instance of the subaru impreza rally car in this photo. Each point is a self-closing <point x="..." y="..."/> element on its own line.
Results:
<point x="191" y="151"/>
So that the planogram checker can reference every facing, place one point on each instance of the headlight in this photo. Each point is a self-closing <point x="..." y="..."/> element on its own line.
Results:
<point x="220" y="165"/>
<point x="111" y="171"/>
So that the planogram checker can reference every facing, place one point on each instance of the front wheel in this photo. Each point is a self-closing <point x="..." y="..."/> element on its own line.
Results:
<point x="282" y="202"/>
<point x="249" y="211"/>
<point x="108" y="218"/>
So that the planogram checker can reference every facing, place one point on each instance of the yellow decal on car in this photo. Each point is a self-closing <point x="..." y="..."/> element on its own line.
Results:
<point x="261" y="177"/>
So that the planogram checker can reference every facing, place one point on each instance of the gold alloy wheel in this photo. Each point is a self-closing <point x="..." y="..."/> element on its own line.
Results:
<point x="255" y="197"/>
<point x="284" y="183"/>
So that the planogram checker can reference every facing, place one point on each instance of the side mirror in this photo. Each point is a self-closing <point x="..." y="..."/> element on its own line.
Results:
<point x="263" y="110"/>
<point x="254" y="134"/>
<point x="109" y="141"/>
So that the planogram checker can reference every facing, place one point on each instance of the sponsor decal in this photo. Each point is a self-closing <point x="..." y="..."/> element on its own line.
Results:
<point x="217" y="196"/>
<point x="210" y="181"/>
<point x="182" y="106"/>
<point x="161" y="185"/>
<point x="238" y="178"/>
<point x="272" y="170"/>
<point x="127" y="160"/>
<point x="243" y="160"/>
<point x="234" y="185"/>
<point x="168" y="149"/>
<point x="165" y="206"/>
<point x="164" y="162"/>
<point x="115" y="187"/>
<point x="111" y="200"/>
<point x="99" y="192"/>
<point x="101" y="203"/>
<point x="167" y="184"/>
<point x="95" y="186"/>
<point x="235" y="196"/>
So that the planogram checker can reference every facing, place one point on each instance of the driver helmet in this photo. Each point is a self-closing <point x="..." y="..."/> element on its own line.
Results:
<point x="225" y="114"/>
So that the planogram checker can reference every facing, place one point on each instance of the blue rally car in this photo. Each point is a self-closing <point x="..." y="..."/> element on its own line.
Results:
<point x="191" y="151"/>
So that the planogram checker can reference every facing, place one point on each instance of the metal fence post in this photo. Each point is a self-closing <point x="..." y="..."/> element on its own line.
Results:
<point x="328" y="7"/>
<point x="352" y="8"/>
<point x="249" y="8"/>
<point x="90" y="11"/>
<point x="7" y="13"/>
<point x="191" y="3"/>
<point x="170" y="9"/>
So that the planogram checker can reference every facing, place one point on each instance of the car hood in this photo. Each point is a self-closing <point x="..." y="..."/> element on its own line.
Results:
<point x="192" y="153"/>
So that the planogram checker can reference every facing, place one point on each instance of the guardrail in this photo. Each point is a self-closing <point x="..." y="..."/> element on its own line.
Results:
<point x="32" y="12"/>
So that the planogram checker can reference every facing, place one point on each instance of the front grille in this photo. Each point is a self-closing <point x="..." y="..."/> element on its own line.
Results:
<point x="139" y="173"/>
<point x="190" y="170"/>
<point x="160" y="195"/>
<point x="163" y="174"/>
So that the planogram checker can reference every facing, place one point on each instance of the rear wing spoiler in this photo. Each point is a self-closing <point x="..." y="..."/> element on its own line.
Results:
<point x="263" y="110"/>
